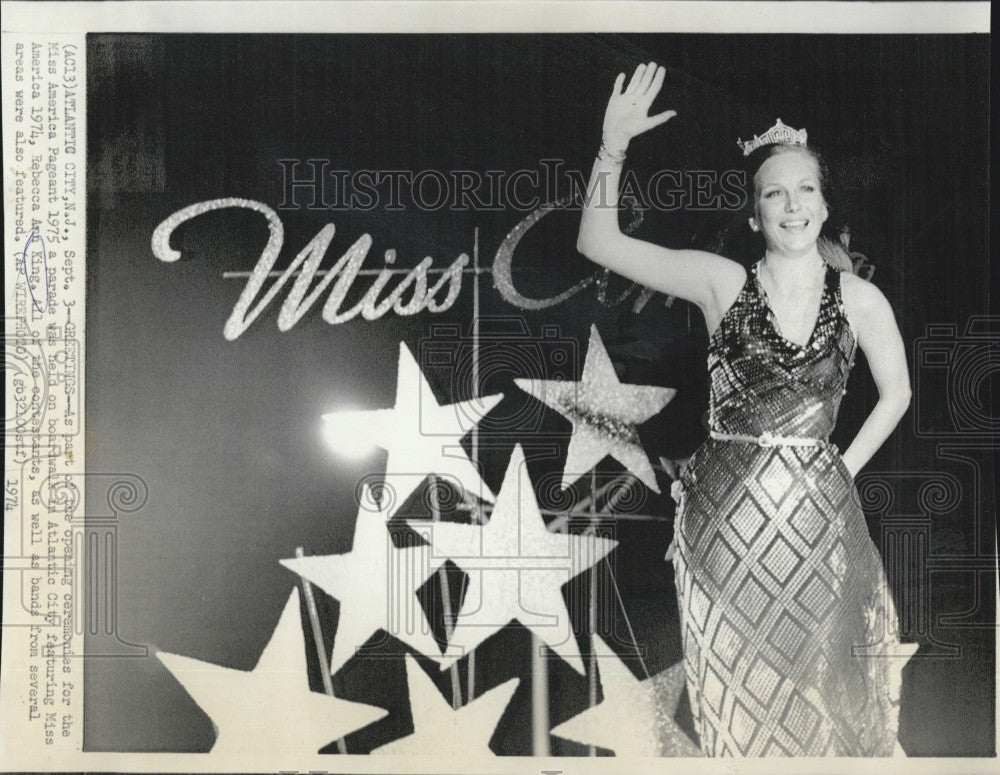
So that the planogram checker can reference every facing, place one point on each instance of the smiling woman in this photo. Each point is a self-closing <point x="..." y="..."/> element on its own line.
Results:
<point x="789" y="201"/>
<point x="790" y="209"/>
<point x="778" y="581"/>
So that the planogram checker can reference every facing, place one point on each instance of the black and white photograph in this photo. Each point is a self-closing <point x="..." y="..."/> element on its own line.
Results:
<point x="535" y="393"/>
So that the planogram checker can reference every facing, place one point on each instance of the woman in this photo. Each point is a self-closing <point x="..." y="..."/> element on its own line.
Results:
<point x="787" y="623"/>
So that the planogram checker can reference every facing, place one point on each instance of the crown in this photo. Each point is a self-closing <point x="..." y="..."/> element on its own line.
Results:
<point x="778" y="134"/>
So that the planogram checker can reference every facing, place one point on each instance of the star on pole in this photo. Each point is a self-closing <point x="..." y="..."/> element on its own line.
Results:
<point x="516" y="568"/>
<point x="376" y="584"/>
<point x="421" y="436"/>
<point x="269" y="710"/>
<point x="604" y="413"/>
<point x="439" y="729"/>
<point x="636" y="717"/>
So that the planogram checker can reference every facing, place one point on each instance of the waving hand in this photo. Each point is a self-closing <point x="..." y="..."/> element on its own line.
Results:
<point x="708" y="280"/>
<point x="627" y="114"/>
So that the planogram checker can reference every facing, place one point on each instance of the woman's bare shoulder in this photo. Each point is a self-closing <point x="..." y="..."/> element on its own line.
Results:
<point x="863" y="301"/>
<point x="859" y="293"/>
<point x="728" y="279"/>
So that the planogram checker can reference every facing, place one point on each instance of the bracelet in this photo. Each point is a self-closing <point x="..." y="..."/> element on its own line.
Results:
<point x="605" y="154"/>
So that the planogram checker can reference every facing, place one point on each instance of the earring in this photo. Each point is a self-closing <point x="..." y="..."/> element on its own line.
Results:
<point x="754" y="225"/>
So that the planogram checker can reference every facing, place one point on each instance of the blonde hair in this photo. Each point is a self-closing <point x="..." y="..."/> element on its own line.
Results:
<point x="834" y="254"/>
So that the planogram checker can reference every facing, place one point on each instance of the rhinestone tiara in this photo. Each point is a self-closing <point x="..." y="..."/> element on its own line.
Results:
<point x="778" y="134"/>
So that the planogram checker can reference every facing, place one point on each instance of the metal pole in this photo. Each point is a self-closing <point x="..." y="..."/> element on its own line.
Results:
<point x="592" y="609"/>
<point x="449" y="621"/>
<point x="539" y="698"/>
<point x="324" y="665"/>
<point x="471" y="664"/>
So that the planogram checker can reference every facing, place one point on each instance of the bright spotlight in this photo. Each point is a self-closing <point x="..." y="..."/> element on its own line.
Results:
<point x="349" y="433"/>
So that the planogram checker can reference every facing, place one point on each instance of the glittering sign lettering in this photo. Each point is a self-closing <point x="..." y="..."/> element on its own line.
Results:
<point x="311" y="282"/>
<point x="342" y="275"/>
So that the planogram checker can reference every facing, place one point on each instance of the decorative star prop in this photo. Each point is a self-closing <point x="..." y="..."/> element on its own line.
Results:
<point x="270" y="709"/>
<point x="421" y="436"/>
<point x="604" y="413"/>
<point x="376" y="584"/>
<point x="440" y="730"/>
<point x="516" y="568"/>
<point x="636" y="717"/>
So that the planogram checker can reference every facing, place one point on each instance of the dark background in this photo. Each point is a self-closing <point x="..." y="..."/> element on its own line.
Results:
<point x="226" y="434"/>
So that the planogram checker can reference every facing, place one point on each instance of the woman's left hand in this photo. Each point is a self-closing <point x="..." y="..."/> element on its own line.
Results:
<point x="879" y="339"/>
<point x="671" y="550"/>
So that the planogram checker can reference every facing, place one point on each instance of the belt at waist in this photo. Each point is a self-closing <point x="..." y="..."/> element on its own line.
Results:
<point x="768" y="439"/>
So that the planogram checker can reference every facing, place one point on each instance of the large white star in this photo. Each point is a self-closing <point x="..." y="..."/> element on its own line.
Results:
<point x="270" y="709"/>
<point x="516" y="568"/>
<point x="440" y="730"/>
<point x="636" y="718"/>
<point x="421" y="436"/>
<point x="376" y="584"/>
<point x="604" y="413"/>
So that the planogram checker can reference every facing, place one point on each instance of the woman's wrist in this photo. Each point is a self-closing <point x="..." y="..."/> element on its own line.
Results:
<point x="614" y="143"/>
<point x="610" y="154"/>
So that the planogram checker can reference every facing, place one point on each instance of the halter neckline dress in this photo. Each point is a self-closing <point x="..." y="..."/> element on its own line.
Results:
<point x="787" y="621"/>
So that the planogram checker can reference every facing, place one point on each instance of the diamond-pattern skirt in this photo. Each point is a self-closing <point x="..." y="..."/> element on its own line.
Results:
<point x="787" y="621"/>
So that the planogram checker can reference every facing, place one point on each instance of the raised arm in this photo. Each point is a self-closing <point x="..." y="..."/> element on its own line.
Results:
<point x="878" y="336"/>
<point x="708" y="280"/>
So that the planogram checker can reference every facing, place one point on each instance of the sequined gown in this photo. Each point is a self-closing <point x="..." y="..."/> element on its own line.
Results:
<point x="787" y="622"/>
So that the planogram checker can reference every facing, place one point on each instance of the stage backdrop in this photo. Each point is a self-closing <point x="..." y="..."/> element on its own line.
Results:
<point x="465" y="153"/>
